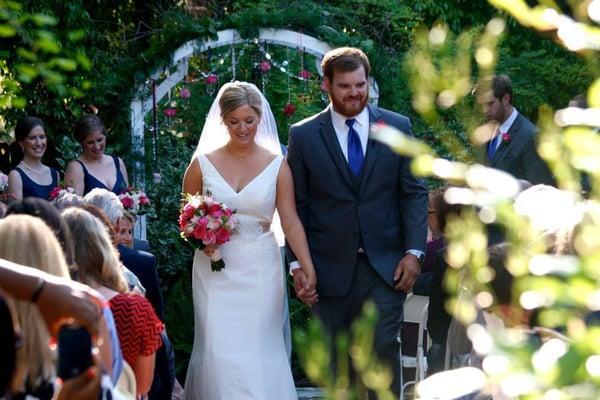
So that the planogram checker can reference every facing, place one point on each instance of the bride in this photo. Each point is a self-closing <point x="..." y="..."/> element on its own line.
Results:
<point x="239" y="350"/>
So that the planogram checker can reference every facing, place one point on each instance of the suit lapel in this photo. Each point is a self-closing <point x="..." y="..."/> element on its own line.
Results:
<point x="333" y="146"/>
<point x="373" y="148"/>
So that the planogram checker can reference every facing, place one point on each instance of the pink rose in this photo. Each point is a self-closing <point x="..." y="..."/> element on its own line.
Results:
<point x="200" y="232"/>
<point x="506" y="137"/>
<point x="203" y="221"/>
<point x="54" y="192"/>
<point x="144" y="200"/>
<point x="127" y="202"/>
<point x="223" y="236"/>
<point x="209" y="237"/>
<point x="188" y="230"/>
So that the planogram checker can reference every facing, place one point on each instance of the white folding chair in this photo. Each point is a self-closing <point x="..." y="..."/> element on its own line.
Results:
<point x="415" y="311"/>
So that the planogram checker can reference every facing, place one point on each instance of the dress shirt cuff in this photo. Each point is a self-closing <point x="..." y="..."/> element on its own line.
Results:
<point x="414" y="252"/>
<point x="294" y="265"/>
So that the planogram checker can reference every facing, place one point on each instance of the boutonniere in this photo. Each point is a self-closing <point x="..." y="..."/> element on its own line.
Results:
<point x="506" y="137"/>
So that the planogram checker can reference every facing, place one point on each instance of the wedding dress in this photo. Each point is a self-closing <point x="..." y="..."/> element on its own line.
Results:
<point x="239" y="350"/>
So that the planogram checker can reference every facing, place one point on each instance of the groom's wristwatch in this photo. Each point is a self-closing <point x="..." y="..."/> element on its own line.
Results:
<point x="419" y="254"/>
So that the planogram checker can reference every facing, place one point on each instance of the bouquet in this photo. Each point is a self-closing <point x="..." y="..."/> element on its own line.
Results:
<point x="203" y="221"/>
<point x="61" y="191"/>
<point x="135" y="201"/>
<point x="3" y="182"/>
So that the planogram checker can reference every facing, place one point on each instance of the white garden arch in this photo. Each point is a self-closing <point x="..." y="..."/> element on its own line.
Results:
<point x="143" y="100"/>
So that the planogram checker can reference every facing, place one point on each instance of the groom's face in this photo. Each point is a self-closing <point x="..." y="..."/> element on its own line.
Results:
<point x="348" y="91"/>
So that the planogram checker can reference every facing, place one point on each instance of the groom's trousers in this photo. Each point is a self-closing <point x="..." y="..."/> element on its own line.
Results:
<point x="338" y="313"/>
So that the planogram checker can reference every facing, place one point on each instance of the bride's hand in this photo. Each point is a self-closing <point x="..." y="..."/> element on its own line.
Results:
<point x="210" y="249"/>
<point x="305" y="286"/>
<point x="311" y="280"/>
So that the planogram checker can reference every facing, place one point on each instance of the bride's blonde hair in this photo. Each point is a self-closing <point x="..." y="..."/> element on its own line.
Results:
<point x="240" y="94"/>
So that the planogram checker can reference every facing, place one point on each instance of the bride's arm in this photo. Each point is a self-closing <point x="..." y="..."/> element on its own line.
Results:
<point x="292" y="227"/>
<point x="192" y="179"/>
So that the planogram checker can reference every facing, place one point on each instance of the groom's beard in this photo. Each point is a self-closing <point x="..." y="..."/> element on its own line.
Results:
<point x="350" y="105"/>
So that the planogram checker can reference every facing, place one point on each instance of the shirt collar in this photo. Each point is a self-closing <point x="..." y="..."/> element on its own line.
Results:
<point x="509" y="121"/>
<point x="339" y="120"/>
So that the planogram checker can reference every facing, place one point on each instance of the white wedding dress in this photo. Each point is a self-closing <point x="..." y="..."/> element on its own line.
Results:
<point x="239" y="350"/>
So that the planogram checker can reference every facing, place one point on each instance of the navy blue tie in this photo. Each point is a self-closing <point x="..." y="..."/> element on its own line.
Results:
<point x="493" y="145"/>
<point x="355" y="152"/>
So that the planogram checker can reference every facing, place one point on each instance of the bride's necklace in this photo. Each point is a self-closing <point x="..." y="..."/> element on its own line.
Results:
<point x="239" y="158"/>
<point x="36" y="171"/>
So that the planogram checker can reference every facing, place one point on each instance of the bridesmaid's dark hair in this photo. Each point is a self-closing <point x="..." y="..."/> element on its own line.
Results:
<point x="87" y="124"/>
<point x="26" y="125"/>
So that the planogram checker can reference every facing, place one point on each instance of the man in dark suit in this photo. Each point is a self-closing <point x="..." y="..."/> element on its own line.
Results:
<point x="143" y="265"/>
<point x="512" y="147"/>
<point x="364" y="213"/>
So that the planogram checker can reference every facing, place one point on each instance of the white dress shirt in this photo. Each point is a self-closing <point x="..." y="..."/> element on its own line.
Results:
<point x="361" y="126"/>
<point x="506" y="126"/>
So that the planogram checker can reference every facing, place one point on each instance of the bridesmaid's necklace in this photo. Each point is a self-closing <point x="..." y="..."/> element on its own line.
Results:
<point x="36" y="171"/>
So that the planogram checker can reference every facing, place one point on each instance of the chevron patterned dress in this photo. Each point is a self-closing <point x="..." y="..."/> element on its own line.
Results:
<point x="138" y="327"/>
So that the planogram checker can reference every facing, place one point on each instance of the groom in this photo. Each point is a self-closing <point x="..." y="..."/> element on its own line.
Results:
<point x="364" y="213"/>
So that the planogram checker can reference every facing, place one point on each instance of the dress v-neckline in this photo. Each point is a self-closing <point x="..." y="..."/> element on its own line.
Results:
<point x="247" y="184"/>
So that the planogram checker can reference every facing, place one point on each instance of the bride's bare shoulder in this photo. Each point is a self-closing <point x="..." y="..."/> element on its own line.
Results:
<point x="265" y="155"/>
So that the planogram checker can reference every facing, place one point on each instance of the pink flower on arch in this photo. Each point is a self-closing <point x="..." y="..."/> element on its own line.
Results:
<point x="289" y="109"/>
<point x="185" y="93"/>
<point x="304" y="74"/>
<point x="265" y="66"/>
<point x="170" y="112"/>
<point x="211" y="79"/>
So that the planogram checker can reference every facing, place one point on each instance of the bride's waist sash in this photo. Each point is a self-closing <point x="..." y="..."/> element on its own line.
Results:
<point x="250" y="227"/>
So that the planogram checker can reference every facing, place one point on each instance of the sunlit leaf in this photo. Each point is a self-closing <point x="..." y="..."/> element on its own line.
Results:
<point x="7" y="31"/>
<point x="44" y="19"/>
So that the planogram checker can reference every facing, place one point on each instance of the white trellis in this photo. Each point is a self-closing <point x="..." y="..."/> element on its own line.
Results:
<point x="143" y="101"/>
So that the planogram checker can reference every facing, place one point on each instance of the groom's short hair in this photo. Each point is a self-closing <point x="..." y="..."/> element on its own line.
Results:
<point x="344" y="59"/>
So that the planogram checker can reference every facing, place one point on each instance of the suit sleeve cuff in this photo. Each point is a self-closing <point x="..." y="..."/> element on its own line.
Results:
<point x="293" y="266"/>
<point x="414" y="252"/>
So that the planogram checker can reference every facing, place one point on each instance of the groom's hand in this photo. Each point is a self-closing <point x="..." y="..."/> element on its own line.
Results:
<point x="304" y="287"/>
<point x="406" y="273"/>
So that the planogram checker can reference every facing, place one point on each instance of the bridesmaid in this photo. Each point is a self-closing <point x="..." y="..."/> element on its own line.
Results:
<point x="94" y="169"/>
<point x="31" y="178"/>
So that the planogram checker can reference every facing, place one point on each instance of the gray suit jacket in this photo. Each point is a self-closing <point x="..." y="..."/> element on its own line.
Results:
<point x="519" y="156"/>
<point x="384" y="210"/>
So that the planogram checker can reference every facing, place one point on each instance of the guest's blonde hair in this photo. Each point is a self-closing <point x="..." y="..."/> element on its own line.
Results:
<point x="96" y="259"/>
<point x="29" y="241"/>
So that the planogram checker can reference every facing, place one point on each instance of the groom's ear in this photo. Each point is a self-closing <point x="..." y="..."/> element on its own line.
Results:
<point x="327" y="84"/>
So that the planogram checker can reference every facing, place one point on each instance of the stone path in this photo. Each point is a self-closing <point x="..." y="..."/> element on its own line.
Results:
<point x="308" y="393"/>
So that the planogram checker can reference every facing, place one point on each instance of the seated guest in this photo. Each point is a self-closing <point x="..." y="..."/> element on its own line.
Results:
<point x="44" y="210"/>
<point x="31" y="178"/>
<point x="133" y="282"/>
<point x="98" y="266"/>
<point x="124" y="230"/>
<point x="435" y="242"/>
<point x="108" y="202"/>
<point x="94" y="169"/>
<point x="28" y="240"/>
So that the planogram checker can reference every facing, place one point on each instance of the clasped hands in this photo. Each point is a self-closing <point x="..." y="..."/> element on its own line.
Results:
<point x="305" y="285"/>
